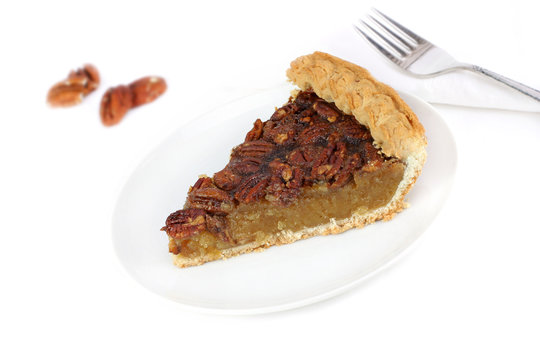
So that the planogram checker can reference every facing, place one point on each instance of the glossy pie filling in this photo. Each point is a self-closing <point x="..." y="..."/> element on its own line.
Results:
<point x="309" y="163"/>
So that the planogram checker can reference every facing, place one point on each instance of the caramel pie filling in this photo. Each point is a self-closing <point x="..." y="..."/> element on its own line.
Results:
<point x="309" y="163"/>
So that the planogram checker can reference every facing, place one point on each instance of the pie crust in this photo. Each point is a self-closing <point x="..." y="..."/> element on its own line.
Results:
<point x="395" y="131"/>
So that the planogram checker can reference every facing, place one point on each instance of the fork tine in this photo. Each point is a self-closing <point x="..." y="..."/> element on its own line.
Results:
<point x="408" y="32"/>
<point x="407" y="42"/>
<point x="388" y="41"/>
<point x="380" y="48"/>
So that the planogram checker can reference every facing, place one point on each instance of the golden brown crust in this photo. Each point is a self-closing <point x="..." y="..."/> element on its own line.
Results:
<point x="392" y="123"/>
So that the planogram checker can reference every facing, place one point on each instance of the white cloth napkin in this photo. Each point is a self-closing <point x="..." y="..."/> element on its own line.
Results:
<point x="466" y="89"/>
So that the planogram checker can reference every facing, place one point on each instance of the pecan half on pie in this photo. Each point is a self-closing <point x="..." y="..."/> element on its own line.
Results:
<point x="342" y="153"/>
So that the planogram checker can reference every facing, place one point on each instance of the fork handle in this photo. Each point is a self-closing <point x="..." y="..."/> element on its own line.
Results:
<point x="524" y="89"/>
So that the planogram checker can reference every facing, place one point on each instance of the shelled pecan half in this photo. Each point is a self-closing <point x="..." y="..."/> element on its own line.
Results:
<point x="117" y="101"/>
<point x="72" y="90"/>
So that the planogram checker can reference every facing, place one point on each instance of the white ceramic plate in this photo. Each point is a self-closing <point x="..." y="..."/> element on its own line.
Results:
<point x="281" y="277"/>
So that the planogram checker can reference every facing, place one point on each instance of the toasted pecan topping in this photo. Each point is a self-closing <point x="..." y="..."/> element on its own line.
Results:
<point x="185" y="223"/>
<point x="307" y="141"/>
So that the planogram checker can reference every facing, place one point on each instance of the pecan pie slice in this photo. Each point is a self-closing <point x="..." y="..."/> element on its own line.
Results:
<point x="342" y="153"/>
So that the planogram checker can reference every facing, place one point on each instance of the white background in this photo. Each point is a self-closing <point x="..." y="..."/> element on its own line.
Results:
<point x="469" y="291"/>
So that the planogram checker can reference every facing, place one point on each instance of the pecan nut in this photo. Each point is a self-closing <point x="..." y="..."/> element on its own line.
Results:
<point x="284" y="112"/>
<point x="246" y="166"/>
<point x="210" y="199"/>
<point x="350" y="129"/>
<point x="65" y="94"/>
<point x="296" y="180"/>
<point x="252" y="188"/>
<point x="352" y="164"/>
<point x="285" y="134"/>
<point x="147" y="89"/>
<point x="185" y="223"/>
<point x="329" y="164"/>
<point x="296" y="157"/>
<point x="117" y="101"/>
<point x="326" y="110"/>
<point x="313" y="133"/>
<point x="280" y="169"/>
<point x="256" y="132"/>
<point x="226" y="179"/>
<point x="202" y="183"/>
<point x="257" y="148"/>
<point x="88" y="75"/>
<point x="336" y="160"/>
<point x="71" y="91"/>
<point x="306" y="99"/>
<point x="277" y="192"/>
<point x="115" y="104"/>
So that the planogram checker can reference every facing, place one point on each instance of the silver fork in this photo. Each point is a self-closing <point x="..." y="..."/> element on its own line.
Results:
<point x="418" y="56"/>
